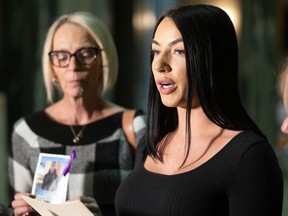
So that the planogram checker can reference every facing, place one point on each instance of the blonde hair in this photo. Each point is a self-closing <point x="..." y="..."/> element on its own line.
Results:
<point x="102" y="36"/>
<point x="282" y="78"/>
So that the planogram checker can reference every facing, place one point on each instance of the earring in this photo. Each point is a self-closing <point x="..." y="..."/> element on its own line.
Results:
<point x="54" y="80"/>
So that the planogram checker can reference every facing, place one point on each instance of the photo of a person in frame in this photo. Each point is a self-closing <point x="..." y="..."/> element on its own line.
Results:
<point x="51" y="177"/>
<point x="49" y="184"/>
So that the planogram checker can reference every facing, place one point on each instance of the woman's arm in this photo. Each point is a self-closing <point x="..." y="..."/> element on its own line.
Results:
<point x="20" y="175"/>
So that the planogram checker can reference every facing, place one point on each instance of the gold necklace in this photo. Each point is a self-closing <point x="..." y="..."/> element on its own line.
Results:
<point x="77" y="136"/>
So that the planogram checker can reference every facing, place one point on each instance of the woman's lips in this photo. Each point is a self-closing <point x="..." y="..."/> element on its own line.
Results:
<point x="166" y="86"/>
<point x="75" y="82"/>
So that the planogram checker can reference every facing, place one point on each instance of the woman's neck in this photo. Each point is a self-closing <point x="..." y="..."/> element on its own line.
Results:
<point x="200" y="124"/>
<point x="79" y="112"/>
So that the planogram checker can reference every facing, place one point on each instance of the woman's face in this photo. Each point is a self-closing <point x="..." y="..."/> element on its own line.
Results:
<point x="76" y="80"/>
<point x="169" y="64"/>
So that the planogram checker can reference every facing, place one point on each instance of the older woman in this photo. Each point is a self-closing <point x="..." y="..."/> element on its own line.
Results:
<point x="79" y="62"/>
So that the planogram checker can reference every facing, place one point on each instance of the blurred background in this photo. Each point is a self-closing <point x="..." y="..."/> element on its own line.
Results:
<point x="262" y="30"/>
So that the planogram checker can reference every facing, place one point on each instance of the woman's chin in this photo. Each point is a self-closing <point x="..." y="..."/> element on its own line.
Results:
<point x="76" y="94"/>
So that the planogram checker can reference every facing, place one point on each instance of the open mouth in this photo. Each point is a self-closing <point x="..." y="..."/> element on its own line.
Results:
<point x="166" y="86"/>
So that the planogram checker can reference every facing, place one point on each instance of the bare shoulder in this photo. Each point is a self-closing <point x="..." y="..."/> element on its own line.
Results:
<point x="111" y="108"/>
<point x="53" y="109"/>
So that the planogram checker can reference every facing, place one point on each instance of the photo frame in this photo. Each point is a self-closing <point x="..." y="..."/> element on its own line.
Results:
<point x="49" y="184"/>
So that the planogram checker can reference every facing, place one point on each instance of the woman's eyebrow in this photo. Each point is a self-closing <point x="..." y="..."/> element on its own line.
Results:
<point x="170" y="44"/>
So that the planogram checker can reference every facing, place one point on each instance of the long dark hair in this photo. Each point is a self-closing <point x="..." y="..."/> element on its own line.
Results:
<point x="211" y="53"/>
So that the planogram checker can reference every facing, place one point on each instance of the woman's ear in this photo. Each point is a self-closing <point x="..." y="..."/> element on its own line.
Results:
<point x="284" y="126"/>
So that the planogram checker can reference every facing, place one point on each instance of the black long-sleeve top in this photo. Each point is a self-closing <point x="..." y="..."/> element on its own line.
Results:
<point x="242" y="179"/>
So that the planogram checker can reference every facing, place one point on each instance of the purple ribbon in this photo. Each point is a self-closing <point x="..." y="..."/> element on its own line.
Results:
<point x="66" y="170"/>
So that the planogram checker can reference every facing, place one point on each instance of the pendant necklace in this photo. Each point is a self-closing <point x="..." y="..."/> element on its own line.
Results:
<point x="77" y="136"/>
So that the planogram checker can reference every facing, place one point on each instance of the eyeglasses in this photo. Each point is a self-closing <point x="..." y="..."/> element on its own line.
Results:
<point x="84" y="56"/>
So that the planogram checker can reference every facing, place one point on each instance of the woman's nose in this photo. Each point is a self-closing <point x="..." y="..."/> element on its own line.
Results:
<point x="161" y="64"/>
<point x="284" y="126"/>
<point x="73" y="64"/>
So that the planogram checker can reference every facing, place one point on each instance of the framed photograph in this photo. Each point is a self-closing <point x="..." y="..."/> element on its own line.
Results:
<point x="49" y="184"/>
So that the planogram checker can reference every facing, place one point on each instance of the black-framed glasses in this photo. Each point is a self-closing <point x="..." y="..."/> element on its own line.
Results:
<point x="84" y="56"/>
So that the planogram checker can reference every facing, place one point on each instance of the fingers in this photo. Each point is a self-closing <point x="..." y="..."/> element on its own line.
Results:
<point x="93" y="207"/>
<point x="18" y="196"/>
<point x="24" y="210"/>
<point x="87" y="199"/>
<point x="20" y="206"/>
<point x="31" y="214"/>
<point x="91" y="204"/>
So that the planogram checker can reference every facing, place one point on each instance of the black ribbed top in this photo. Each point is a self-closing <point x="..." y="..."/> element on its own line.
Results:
<point x="242" y="179"/>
